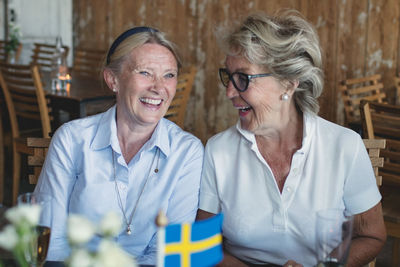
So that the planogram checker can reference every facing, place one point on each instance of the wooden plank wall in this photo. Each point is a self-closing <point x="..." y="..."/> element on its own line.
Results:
<point x="358" y="37"/>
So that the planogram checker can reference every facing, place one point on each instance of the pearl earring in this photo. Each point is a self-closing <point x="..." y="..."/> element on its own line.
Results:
<point x="285" y="97"/>
<point x="114" y="90"/>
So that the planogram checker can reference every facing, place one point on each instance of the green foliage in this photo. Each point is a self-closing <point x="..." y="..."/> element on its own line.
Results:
<point x="14" y="36"/>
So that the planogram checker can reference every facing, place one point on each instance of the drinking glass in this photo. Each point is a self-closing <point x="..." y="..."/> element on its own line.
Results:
<point x="333" y="232"/>
<point x="37" y="252"/>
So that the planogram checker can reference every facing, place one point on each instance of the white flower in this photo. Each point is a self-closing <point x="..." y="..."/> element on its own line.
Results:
<point x="110" y="255"/>
<point x="24" y="213"/>
<point x="111" y="224"/>
<point x="80" y="229"/>
<point x="8" y="237"/>
<point x="80" y="258"/>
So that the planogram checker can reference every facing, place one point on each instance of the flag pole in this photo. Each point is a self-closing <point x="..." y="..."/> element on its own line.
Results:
<point x="161" y="222"/>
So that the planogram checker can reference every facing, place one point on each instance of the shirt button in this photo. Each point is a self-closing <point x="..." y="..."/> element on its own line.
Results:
<point x="122" y="187"/>
<point x="295" y="170"/>
<point x="288" y="189"/>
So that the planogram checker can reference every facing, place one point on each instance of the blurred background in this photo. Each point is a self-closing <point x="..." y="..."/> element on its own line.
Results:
<point x="358" y="37"/>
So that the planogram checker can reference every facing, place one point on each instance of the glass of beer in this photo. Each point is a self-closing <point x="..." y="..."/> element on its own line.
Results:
<point x="37" y="252"/>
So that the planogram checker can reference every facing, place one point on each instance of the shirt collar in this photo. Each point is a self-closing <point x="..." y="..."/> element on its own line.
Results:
<point x="159" y="138"/>
<point x="106" y="134"/>
<point x="309" y="121"/>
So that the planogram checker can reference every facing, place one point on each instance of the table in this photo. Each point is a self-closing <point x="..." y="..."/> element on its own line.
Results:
<point x="85" y="96"/>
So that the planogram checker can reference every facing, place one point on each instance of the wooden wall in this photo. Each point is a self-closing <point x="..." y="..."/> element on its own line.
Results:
<point x="358" y="37"/>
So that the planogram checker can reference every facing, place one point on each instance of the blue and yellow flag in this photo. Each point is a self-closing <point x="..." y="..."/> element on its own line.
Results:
<point x="194" y="245"/>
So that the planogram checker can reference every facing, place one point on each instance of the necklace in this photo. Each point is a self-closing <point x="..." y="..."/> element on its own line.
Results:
<point x="128" y="223"/>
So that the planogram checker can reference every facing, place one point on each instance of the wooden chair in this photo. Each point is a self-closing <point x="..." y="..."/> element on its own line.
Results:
<point x="40" y="147"/>
<point x="27" y="105"/>
<point x="3" y="53"/>
<point x="397" y="85"/>
<point x="382" y="120"/>
<point x="374" y="146"/>
<point x="177" y="110"/>
<point x="353" y="91"/>
<point x="87" y="62"/>
<point x="42" y="55"/>
<point x="1" y="158"/>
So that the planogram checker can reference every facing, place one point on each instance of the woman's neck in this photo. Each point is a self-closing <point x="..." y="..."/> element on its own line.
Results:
<point x="287" y="135"/>
<point x="132" y="136"/>
<point x="278" y="145"/>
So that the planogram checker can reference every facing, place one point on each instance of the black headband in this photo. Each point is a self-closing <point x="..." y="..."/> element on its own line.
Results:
<point x="125" y="35"/>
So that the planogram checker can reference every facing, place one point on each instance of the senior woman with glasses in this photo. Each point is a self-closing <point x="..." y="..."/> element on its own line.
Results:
<point x="281" y="163"/>
<point x="128" y="160"/>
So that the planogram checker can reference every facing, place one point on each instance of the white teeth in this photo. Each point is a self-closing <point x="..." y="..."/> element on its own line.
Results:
<point x="151" y="101"/>
<point x="244" y="108"/>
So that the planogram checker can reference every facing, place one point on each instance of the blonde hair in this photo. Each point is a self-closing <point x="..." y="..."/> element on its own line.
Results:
<point x="121" y="52"/>
<point x="287" y="46"/>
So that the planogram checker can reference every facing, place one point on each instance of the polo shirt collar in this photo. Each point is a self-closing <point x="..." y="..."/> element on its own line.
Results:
<point x="309" y="121"/>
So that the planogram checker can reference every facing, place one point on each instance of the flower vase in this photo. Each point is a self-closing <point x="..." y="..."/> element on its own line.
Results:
<point x="11" y="57"/>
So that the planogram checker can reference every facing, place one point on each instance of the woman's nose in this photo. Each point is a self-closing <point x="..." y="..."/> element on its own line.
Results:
<point x="158" y="83"/>
<point x="231" y="91"/>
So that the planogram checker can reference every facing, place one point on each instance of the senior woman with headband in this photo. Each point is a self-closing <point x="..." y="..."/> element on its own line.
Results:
<point x="129" y="159"/>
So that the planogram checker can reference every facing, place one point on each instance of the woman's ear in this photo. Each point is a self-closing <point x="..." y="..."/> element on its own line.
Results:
<point x="291" y="87"/>
<point x="110" y="79"/>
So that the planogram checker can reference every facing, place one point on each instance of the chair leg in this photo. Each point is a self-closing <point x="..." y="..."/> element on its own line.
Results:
<point x="16" y="175"/>
<point x="396" y="252"/>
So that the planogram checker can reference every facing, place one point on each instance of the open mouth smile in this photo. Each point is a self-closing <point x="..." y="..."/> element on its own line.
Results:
<point x="155" y="102"/>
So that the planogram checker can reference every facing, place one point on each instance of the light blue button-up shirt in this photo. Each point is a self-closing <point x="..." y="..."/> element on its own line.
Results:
<point x="78" y="172"/>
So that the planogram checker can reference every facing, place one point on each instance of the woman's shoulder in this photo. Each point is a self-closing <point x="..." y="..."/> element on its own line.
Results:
<point x="225" y="138"/>
<point x="80" y="128"/>
<point x="336" y="133"/>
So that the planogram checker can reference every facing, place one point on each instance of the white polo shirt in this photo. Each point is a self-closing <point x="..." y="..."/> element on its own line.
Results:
<point x="331" y="170"/>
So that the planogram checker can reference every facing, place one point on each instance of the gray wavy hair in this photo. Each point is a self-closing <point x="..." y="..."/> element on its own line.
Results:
<point x="287" y="46"/>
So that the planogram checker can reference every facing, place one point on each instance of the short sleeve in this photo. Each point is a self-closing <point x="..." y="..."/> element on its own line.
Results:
<point x="360" y="190"/>
<point x="209" y="200"/>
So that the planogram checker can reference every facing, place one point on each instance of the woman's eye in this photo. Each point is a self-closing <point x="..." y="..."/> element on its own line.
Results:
<point x="145" y="73"/>
<point x="170" y="75"/>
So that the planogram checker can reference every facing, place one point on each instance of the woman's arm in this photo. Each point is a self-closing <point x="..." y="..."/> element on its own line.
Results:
<point x="57" y="179"/>
<point x="228" y="260"/>
<point x="369" y="236"/>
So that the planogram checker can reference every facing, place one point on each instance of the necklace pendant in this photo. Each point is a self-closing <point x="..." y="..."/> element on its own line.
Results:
<point x="128" y="230"/>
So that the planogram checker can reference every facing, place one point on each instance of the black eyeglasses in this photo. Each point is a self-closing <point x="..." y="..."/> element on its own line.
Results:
<point x="239" y="79"/>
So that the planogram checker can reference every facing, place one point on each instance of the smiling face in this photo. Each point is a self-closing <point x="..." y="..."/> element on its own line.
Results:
<point x="146" y="84"/>
<point x="260" y="106"/>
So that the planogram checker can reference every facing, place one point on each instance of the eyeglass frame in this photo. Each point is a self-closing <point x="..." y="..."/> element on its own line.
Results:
<point x="248" y="76"/>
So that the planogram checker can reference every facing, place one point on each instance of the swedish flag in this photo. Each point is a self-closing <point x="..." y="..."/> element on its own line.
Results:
<point x="194" y="245"/>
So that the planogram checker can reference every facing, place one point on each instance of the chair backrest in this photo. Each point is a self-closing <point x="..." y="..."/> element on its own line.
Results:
<point x="87" y="62"/>
<point x="177" y="110"/>
<point x="354" y="90"/>
<point x="374" y="146"/>
<point x="3" y="53"/>
<point x="36" y="160"/>
<point x="25" y="97"/>
<point x="382" y="121"/>
<point x="42" y="55"/>
<point x="397" y="85"/>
